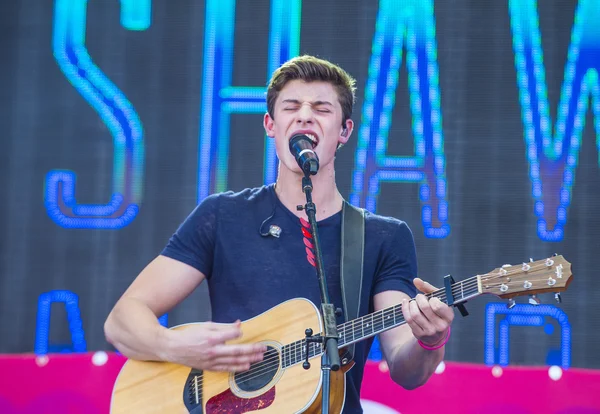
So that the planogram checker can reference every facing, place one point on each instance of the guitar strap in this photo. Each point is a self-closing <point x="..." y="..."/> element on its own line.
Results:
<point x="351" y="265"/>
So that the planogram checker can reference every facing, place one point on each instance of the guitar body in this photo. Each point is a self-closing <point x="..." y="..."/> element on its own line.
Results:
<point x="161" y="387"/>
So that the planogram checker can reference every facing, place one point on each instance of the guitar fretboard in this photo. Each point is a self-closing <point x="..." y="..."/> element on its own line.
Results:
<point x="374" y="323"/>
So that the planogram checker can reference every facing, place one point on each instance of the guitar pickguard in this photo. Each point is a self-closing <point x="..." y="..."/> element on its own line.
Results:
<point x="229" y="403"/>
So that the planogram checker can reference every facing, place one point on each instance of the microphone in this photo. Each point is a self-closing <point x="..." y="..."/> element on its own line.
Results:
<point x="301" y="148"/>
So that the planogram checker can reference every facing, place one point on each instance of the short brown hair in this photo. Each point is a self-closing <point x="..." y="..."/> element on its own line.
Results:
<point x="309" y="69"/>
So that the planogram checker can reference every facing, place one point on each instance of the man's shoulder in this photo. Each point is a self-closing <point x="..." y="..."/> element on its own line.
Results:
<point x="386" y="229"/>
<point x="376" y="222"/>
<point x="247" y="195"/>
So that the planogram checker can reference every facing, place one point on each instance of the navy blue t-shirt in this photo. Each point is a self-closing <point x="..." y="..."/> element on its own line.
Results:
<point x="249" y="273"/>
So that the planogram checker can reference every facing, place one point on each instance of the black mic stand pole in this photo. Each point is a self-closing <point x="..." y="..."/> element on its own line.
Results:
<point x="330" y="361"/>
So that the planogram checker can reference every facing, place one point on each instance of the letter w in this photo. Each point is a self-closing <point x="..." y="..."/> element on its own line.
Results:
<point x="553" y="157"/>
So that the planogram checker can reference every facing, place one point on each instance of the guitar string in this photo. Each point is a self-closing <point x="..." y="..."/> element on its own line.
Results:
<point x="298" y="346"/>
<point x="377" y="321"/>
<point x="270" y="363"/>
<point x="294" y="348"/>
<point x="377" y="317"/>
<point x="273" y="363"/>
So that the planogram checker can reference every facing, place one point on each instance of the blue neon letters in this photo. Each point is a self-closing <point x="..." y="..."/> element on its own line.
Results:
<point x="553" y="156"/>
<point x="115" y="111"/>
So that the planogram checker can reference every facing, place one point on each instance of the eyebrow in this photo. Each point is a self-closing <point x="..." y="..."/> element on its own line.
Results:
<point x="315" y="103"/>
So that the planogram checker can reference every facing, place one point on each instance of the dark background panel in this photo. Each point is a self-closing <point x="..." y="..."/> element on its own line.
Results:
<point x="45" y="124"/>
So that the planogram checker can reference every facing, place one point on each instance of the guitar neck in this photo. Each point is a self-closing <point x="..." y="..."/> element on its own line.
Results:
<point x="388" y="318"/>
<point x="380" y="321"/>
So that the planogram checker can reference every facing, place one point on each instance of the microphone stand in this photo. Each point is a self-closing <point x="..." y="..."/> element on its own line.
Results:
<point x="330" y="361"/>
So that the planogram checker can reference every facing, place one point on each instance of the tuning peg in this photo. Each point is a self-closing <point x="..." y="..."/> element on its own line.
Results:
<point x="511" y="303"/>
<point x="534" y="300"/>
<point x="558" y="297"/>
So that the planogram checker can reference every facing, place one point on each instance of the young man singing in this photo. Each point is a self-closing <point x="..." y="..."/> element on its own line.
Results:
<point x="222" y="241"/>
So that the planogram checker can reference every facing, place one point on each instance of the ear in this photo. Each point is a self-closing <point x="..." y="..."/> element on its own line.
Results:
<point x="269" y="125"/>
<point x="346" y="132"/>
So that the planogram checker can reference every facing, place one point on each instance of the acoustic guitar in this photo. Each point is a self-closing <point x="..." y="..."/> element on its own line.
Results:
<point x="279" y="383"/>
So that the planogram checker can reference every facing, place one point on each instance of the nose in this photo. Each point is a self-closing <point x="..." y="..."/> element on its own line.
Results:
<point x="305" y="114"/>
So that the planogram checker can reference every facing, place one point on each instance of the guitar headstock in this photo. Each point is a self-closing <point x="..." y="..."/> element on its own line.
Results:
<point x="530" y="278"/>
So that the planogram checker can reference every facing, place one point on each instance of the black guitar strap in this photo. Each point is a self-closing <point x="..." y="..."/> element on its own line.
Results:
<point x="351" y="265"/>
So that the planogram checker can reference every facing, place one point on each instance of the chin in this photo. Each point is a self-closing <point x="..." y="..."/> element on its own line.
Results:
<point x="290" y="165"/>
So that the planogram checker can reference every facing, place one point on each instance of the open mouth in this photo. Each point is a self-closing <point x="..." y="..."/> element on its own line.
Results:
<point x="313" y="138"/>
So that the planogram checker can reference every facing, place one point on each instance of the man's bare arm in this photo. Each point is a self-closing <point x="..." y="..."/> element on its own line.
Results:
<point x="133" y="327"/>
<point x="410" y="364"/>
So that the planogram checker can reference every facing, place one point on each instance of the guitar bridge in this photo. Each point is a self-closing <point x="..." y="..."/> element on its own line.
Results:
<point x="192" y="392"/>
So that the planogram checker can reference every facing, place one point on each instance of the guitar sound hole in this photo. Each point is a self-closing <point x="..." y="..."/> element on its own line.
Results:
<point x="260" y="373"/>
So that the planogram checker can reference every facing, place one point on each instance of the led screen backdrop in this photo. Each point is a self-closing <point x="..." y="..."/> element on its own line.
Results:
<point x="478" y="123"/>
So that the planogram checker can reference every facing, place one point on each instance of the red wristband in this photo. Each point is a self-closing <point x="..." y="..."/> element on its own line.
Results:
<point x="433" y="348"/>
